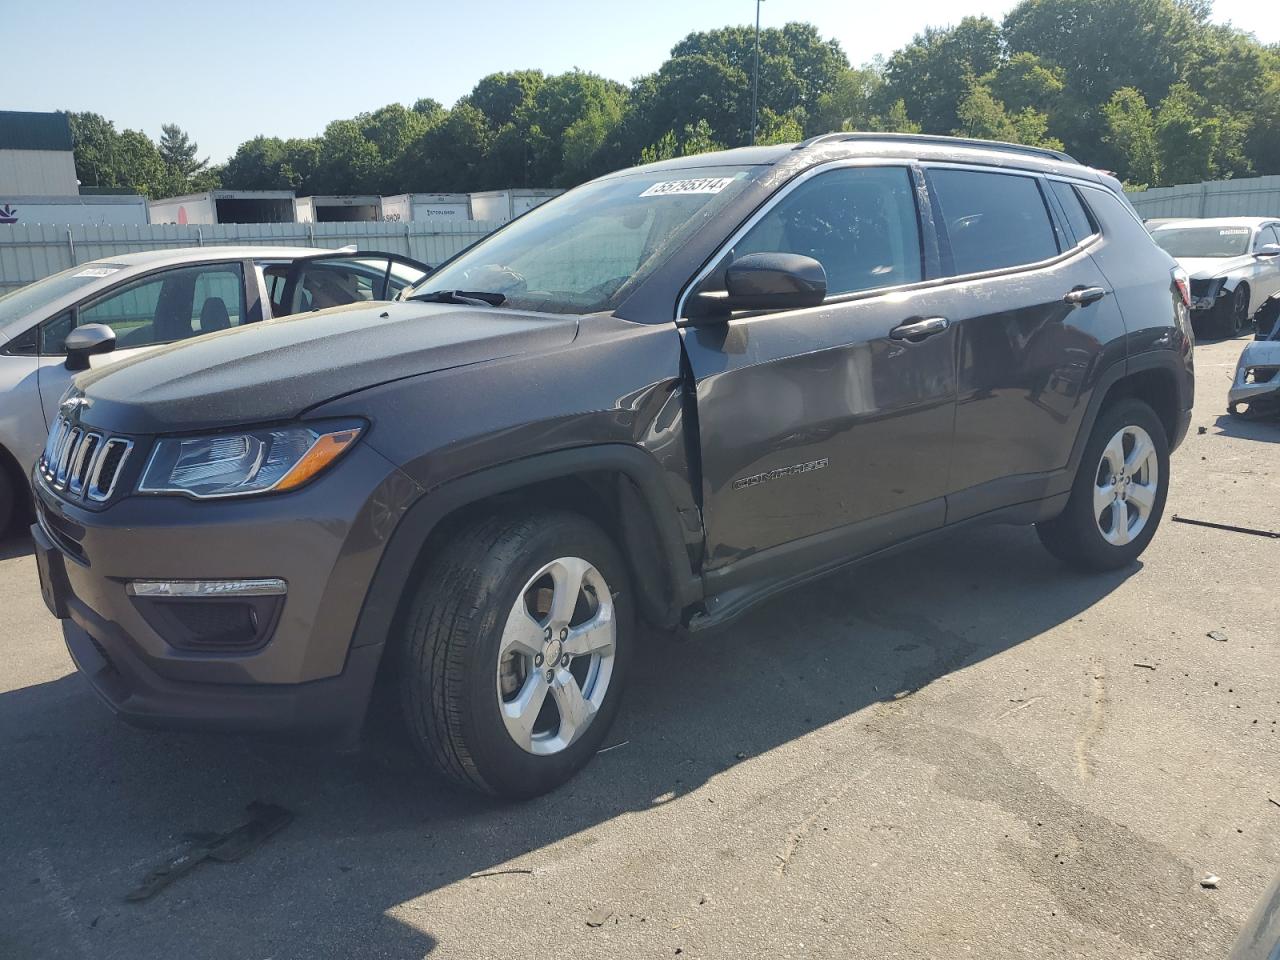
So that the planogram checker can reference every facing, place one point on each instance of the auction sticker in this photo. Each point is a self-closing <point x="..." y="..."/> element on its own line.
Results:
<point x="98" y="271"/>
<point x="1232" y="231"/>
<point x="700" y="185"/>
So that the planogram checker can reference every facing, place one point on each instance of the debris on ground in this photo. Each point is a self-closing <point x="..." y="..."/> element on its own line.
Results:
<point x="1209" y="881"/>
<point x="1146" y="666"/>
<point x="599" y="916"/>
<point x="264" y="820"/>
<point x="506" y="871"/>
<point x="613" y="747"/>
<point x="1230" y="528"/>
<point x="1273" y="801"/>
<point x="1217" y="635"/>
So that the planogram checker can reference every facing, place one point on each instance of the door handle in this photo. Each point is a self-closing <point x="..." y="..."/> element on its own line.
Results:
<point x="1082" y="296"/>
<point x="920" y="329"/>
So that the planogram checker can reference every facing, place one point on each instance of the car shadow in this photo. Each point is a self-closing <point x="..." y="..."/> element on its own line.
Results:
<point x="1266" y="430"/>
<point x="93" y="803"/>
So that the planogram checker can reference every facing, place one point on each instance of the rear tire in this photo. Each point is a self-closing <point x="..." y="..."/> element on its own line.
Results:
<point x="1118" y="496"/>
<point x="515" y="652"/>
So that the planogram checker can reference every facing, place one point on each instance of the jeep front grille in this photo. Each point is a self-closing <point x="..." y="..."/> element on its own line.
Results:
<point x="83" y="464"/>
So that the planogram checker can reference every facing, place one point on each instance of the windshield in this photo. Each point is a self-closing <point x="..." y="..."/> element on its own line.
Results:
<point x="1204" y="241"/>
<point x="585" y="251"/>
<point x="20" y="302"/>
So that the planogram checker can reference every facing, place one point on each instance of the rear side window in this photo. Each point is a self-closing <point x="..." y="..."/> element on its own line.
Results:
<point x="993" y="220"/>
<point x="860" y="223"/>
<point x="1077" y="217"/>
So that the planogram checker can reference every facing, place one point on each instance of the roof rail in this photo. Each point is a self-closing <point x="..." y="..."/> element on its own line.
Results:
<point x="940" y="140"/>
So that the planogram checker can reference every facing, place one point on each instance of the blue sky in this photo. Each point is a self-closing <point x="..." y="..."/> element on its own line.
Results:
<point x="228" y="70"/>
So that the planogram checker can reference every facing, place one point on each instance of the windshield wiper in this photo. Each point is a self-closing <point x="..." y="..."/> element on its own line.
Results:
<point x="472" y="298"/>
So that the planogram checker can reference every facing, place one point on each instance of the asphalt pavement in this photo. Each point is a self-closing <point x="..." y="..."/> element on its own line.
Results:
<point x="959" y="751"/>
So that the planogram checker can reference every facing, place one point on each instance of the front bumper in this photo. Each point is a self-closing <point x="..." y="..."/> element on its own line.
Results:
<point x="324" y="541"/>
<point x="1262" y="398"/>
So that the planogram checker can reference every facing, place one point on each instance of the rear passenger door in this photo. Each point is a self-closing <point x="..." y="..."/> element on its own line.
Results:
<point x="1033" y="313"/>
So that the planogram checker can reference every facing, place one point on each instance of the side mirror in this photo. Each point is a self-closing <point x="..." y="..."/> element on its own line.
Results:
<point x="88" y="341"/>
<point x="1268" y="250"/>
<point x="774" y="281"/>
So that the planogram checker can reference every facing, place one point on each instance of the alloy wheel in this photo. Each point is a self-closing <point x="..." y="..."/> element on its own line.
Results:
<point x="556" y="656"/>
<point x="1239" y="310"/>
<point x="1125" y="485"/>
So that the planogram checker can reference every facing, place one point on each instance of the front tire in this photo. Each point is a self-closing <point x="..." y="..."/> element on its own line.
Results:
<point x="1233" y="314"/>
<point x="516" y="652"/>
<point x="1118" y="496"/>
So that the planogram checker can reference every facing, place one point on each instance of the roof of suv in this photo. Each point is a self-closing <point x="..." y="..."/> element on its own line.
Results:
<point x="834" y="146"/>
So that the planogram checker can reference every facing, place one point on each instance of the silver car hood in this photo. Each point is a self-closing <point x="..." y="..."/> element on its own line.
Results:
<point x="1207" y="268"/>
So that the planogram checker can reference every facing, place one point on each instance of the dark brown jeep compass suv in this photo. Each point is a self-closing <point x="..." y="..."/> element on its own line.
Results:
<point x="666" y="395"/>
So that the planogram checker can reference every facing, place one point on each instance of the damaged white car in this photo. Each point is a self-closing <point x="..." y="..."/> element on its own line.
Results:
<point x="1234" y="265"/>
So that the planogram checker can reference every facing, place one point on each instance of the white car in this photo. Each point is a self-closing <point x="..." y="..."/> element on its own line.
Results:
<point x="1234" y="266"/>
<point x="153" y="298"/>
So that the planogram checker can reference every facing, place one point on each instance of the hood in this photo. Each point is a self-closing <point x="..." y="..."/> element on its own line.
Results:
<point x="277" y="369"/>
<point x="1207" y="268"/>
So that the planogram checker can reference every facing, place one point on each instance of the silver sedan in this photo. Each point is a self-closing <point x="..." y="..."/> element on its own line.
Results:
<point x="126" y="305"/>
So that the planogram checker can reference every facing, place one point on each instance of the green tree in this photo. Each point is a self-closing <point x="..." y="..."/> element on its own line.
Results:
<point x="450" y="155"/>
<point x="1131" y="135"/>
<point x="894" y="120"/>
<point x="780" y="127"/>
<point x="1103" y="45"/>
<point x="982" y="115"/>
<point x="179" y="152"/>
<point x="393" y="129"/>
<point x="349" y="162"/>
<point x="127" y="159"/>
<point x="933" y="73"/>
<point x="796" y="64"/>
<point x="847" y="104"/>
<point x="1189" y="143"/>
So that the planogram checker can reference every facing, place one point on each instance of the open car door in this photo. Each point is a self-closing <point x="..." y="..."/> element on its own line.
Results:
<point x="336" y="279"/>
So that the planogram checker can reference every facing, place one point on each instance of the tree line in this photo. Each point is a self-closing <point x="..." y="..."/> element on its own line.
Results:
<point x="1151" y="89"/>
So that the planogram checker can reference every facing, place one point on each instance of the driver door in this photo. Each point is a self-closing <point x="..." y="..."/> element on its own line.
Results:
<point x="826" y="432"/>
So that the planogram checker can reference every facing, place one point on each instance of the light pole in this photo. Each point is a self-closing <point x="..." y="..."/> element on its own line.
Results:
<point x="755" y="80"/>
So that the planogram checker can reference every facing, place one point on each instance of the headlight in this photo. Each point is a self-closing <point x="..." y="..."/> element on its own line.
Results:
<point x="245" y="462"/>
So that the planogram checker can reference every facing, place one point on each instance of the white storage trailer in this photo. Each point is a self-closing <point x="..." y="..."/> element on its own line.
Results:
<point x="226" y="206"/>
<point x="93" y="209"/>
<point x="335" y="209"/>
<point x="508" y="204"/>
<point x="427" y="206"/>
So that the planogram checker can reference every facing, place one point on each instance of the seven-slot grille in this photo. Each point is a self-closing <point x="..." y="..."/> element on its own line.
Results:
<point x="81" y="463"/>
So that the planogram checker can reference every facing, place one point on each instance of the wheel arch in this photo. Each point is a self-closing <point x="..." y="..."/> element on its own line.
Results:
<point x="618" y="486"/>
<point x="1147" y="378"/>
<point x="19" y="488"/>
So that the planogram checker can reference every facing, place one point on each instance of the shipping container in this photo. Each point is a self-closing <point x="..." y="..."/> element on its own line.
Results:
<point x="500" y="205"/>
<point x="91" y="210"/>
<point x="427" y="206"/>
<point x="226" y="206"/>
<point x="335" y="209"/>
